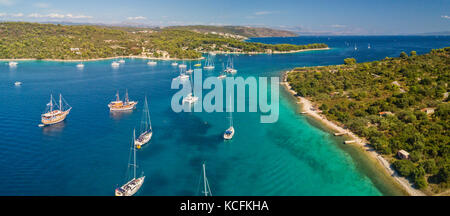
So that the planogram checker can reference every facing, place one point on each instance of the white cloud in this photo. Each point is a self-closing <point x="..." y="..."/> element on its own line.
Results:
<point x="445" y="16"/>
<point x="260" y="13"/>
<point x="59" y="16"/>
<point x="17" y="15"/>
<point x="136" y="18"/>
<point x="338" y="26"/>
<point x="7" y="2"/>
<point x="41" y="5"/>
<point x="3" y="14"/>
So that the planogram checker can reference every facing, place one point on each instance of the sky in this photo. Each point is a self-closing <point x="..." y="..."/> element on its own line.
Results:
<point x="343" y="17"/>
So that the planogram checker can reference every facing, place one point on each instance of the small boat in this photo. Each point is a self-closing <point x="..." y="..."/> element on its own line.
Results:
<point x="132" y="186"/>
<point x="368" y="46"/>
<point x="146" y="131"/>
<point x="198" y="65"/>
<point x="55" y="113"/>
<point x="190" y="99"/>
<point x="174" y="64"/>
<point x="119" y="105"/>
<point x="151" y="63"/>
<point x="80" y="65"/>
<point x="229" y="133"/>
<point x="206" y="188"/>
<point x="13" y="64"/>
<point x="182" y="76"/>
<point x="18" y="83"/>
<point x="212" y="53"/>
<point x="121" y="61"/>
<point x="115" y="64"/>
<point x="189" y="71"/>
<point x="356" y="47"/>
<point x="222" y="76"/>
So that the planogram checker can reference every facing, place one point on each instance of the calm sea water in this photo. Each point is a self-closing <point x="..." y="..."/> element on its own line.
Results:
<point x="88" y="153"/>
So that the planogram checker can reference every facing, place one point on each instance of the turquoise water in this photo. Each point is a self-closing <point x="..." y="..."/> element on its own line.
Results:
<point x="88" y="153"/>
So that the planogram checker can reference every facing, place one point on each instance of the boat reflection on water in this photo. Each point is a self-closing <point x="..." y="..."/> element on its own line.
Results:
<point x="54" y="129"/>
<point x="120" y="115"/>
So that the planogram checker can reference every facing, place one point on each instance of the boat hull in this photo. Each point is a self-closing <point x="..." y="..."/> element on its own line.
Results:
<point x="229" y="136"/>
<point x="130" y="106"/>
<point x="131" y="187"/>
<point x="143" y="139"/>
<point x="55" y="119"/>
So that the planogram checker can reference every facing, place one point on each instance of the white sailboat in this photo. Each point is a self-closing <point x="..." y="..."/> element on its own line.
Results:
<point x="190" y="98"/>
<point x="229" y="133"/>
<point x="182" y="75"/>
<point x="115" y="64"/>
<point x="146" y="131"/>
<point x="356" y="47"/>
<point x="206" y="188"/>
<point x="190" y="69"/>
<point x="121" y="61"/>
<point x="174" y="63"/>
<point x="12" y="64"/>
<point x="368" y="46"/>
<point x="132" y="186"/>
<point x="182" y="65"/>
<point x="18" y="83"/>
<point x="151" y="63"/>
<point x="222" y="75"/>
<point x="209" y="64"/>
<point x="80" y="65"/>
<point x="230" y="66"/>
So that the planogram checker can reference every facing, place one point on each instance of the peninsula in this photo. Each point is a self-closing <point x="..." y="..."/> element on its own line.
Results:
<point x="20" y="40"/>
<point x="396" y="108"/>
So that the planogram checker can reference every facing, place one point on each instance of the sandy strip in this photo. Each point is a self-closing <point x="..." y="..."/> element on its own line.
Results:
<point x="308" y="108"/>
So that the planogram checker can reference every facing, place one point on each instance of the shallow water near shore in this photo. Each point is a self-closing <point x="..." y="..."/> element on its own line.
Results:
<point x="88" y="153"/>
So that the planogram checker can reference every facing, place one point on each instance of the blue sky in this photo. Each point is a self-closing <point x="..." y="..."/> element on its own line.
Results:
<point x="315" y="16"/>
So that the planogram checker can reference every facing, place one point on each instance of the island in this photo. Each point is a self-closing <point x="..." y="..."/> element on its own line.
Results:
<point x="22" y="40"/>
<point x="397" y="109"/>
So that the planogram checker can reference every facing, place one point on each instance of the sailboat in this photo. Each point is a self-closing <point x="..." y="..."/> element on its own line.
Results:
<point x="368" y="46"/>
<point x="115" y="64"/>
<point x="146" y="128"/>
<point x="55" y="113"/>
<point x="230" y="66"/>
<point x="190" y="98"/>
<point x="151" y="63"/>
<point x="190" y="70"/>
<point x="206" y="188"/>
<point x="80" y="65"/>
<point x="222" y="75"/>
<point x="174" y="63"/>
<point x="182" y="75"/>
<point x="356" y="47"/>
<point x="182" y="65"/>
<point x="229" y="133"/>
<point x="121" y="61"/>
<point x="119" y="105"/>
<point x="132" y="186"/>
<point x="208" y="64"/>
<point x="13" y="64"/>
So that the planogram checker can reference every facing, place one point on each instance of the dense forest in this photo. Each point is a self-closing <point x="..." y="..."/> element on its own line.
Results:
<point x="396" y="103"/>
<point x="48" y="41"/>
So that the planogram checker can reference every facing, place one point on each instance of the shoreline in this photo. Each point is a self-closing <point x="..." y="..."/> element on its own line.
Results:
<point x="307" y="108"/>
<point x="157" y="58"/>
<point x="101" y="59"/>
<point x="274" y="52"/>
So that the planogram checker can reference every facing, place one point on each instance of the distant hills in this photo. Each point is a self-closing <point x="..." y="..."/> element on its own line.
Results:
<point x="244" y="31"/>
<point x="436" y="33"/>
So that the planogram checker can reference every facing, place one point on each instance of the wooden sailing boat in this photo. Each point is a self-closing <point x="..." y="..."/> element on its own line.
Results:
<point x="119" y="105"/>
<point x="229" y="133"/>
<point x="132" y="186"/>
<point x="206" y="188"/>
<point x="55" y="113"/>
<point x="146" y="131"/>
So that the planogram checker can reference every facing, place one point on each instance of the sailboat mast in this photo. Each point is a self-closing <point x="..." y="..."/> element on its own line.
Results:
<point x="126" y="96"/>
<point x="117" y="96"/>
<point x="204" y="180"/>
<point x="51" y="102"/>
<point x="134" y="150"/>
<point x="60" y="103"/>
